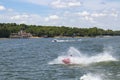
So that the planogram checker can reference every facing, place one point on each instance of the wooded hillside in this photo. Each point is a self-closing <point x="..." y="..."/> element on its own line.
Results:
<point x="51" y="31"/>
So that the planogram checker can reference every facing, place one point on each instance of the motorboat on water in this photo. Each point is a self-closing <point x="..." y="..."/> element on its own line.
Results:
<point x="64" y="40"/>
<point x="54" y="40"/>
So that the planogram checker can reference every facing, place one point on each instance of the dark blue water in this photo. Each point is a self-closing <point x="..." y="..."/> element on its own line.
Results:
<point x="28" y="59"/>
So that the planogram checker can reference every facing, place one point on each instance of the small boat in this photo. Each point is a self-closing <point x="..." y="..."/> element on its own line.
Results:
<point x="54" y="40"/>
<point x="66" y="61"/>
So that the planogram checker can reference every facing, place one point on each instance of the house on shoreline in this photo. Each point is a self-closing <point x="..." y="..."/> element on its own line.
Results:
<point x="21" y="34"/>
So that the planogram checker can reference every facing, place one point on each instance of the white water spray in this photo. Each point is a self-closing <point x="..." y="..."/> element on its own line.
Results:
<point x="68" y="40"/>
<point x="90" y="76"/>
<point x="79" y="58"/>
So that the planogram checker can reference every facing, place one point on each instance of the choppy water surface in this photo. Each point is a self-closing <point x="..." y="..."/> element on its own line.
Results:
<point x="41" y="59"/>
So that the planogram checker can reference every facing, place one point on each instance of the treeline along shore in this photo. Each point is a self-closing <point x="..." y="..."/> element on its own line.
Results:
<point x="6" y="29"/>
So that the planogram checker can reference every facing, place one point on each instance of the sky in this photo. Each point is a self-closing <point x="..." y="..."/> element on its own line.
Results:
<point x="103" y="14"/>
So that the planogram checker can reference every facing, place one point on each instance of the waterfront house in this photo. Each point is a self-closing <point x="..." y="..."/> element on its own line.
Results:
<point x="21" y="34"/>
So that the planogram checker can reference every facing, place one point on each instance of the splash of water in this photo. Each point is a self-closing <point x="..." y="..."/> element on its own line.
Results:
<point x="58" y="40"/>
<point x="79" y="58"/>
<point x="90" y="76"/>
<point x="74" y="52"/>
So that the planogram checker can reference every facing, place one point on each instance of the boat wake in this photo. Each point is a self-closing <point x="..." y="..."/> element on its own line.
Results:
<point x="82" y="59"/>
<point x="58" y="40"/>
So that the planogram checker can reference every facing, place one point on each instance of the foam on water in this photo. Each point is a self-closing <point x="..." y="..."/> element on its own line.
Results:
<point x="79" y="58"/>
<point x="58" y="40"/>
<point x="90" y="76"/>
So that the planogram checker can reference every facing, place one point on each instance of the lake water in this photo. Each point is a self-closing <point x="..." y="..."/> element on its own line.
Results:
<point x="41" y="59"/>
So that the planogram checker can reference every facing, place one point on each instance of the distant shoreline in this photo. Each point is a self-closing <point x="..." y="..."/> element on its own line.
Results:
<point x="14" y="30"/>
<point x="59" y="37"/>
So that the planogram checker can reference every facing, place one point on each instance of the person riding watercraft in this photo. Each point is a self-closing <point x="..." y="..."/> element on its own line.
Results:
<point x="67" y="60"/>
